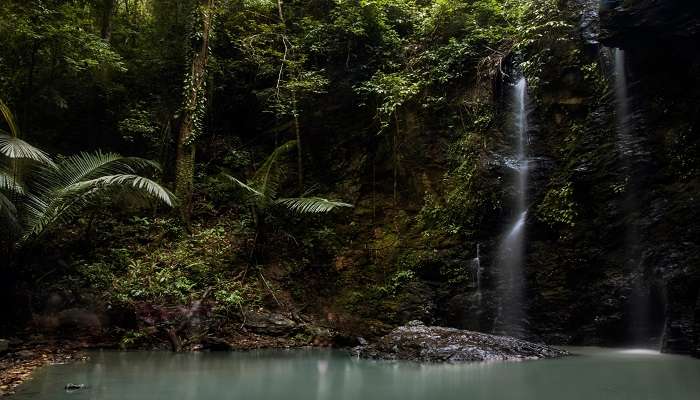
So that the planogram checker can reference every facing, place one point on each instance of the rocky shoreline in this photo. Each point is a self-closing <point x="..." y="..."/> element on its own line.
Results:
<point x="19" y="360"/>
<point x="412" y="342"/>
<point x="418" y="342"/>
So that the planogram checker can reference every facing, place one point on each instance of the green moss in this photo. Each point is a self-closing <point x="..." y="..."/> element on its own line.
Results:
<point x="558" y="206"/>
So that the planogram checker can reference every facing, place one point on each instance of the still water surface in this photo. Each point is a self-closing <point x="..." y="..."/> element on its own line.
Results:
<point x="594" y="374"/>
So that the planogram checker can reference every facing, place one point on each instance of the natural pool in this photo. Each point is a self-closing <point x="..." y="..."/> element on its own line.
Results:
<point x="594" y="374"/>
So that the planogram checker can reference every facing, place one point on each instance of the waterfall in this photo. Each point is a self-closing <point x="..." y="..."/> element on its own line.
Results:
<point x="622" y="105"/>
<point x="511" y="251"/>
<point x="640" y="327"/>
<point x="476" y="268"/>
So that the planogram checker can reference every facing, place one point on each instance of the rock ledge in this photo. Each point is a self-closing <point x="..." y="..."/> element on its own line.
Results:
<point x="417" y="342"/>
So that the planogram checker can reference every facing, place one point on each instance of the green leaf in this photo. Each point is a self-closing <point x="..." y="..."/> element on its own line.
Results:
<point x="311" y="205"/>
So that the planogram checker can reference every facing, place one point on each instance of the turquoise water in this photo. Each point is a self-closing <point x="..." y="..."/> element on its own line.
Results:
<point x="595" y="374"/>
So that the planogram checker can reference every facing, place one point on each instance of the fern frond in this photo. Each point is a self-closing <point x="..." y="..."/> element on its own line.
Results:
<point x="311" y="205"/>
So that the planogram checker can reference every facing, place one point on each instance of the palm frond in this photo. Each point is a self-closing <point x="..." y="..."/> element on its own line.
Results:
<point x="270" y="174"/>
<point x="16" y="148"/>
<point x="39" y="213"/>
<point x="9" y="183"/>
<point x="87" y="166"/>
<point x="137" y="182"/>
<point x="67" y="203"/>
<point x="79" y="181"/>
<point x="311" y="205"/>
<point x="243" y="185"/>
<point x="8" y="212"/>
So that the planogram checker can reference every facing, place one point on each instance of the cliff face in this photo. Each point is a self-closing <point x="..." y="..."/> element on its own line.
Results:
<point x="612" y="252"/>
<point x="661" y="41"/>
<point x="627" y="268"/>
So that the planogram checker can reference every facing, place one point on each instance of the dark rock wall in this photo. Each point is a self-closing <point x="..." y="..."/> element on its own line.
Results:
<point x="588" y="280"/>
<point x="661" y="41"/>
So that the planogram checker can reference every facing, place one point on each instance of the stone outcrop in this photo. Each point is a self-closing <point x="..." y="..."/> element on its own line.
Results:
<point x="418" y="342"/>
<point x="269" y="323"/>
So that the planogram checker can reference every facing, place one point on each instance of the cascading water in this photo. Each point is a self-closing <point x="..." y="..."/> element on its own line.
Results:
<point x="476" y="268"/>
<point x="511" y="252"/>
<point x="640" y="327"/>
<point x="622" y="105"/>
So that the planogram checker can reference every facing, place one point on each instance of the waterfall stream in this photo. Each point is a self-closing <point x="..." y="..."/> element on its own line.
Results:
<point x="640" y="327"/>
<point x="476" y="268"/>
<point x="511" y="251"/>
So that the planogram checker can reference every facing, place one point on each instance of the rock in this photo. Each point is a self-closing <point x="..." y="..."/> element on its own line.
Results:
<point x="680" y="316"/>
<point x="4" y="345"/>
<point x="71" y="387"/>
<point x="25" y="354"/>
<point x="588" y="20"/>
<point x="269" y="323"/>
<point x="417" y="342"/>
<point x="215" y="344"/>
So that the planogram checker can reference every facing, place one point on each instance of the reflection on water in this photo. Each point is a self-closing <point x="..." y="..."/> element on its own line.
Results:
<point x="641" y="351"/>
<point x="593" y="373"/>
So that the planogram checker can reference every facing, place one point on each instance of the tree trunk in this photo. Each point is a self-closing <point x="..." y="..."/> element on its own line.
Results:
<point x="193" y="101"/>
<point x="107" y="12"/>
<point x="28" y="90"/>
<point x="279" y="11"/>
<point x="395" y="158"/>
<point x="300" y="154"/>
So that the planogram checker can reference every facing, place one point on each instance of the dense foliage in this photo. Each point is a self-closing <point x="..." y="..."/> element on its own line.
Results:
<point x="339" y="156"/>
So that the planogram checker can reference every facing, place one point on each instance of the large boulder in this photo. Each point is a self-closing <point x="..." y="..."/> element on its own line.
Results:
<point x="269" y="323"/>
<point x="418" y="342"/>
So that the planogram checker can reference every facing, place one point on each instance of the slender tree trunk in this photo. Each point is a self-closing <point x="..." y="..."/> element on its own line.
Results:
<point x="300" y="154"/>
<point x="395" y="155"/>
<point x="374" y="189"/>
<point x="193" y="99"/>
<point x="24" y="124"/>
<point x="108" y="7"/>
<point x="279" y="10"/>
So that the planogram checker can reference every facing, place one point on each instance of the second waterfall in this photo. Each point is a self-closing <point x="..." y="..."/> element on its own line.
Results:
<point x="511" y="251"/>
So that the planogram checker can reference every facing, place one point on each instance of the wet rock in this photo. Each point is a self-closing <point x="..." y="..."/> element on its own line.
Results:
<point x="696" y="336"/>
<point x="588" y="20"/>
<point x="269" y="323"/>
<point x="71" y="387"/>
<point x="418" y="342"/>
<point x="215" y="344"/>
<point x="25" y="354"/>
<point x="416" y="302"/>
<point x="680" y="315"/>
